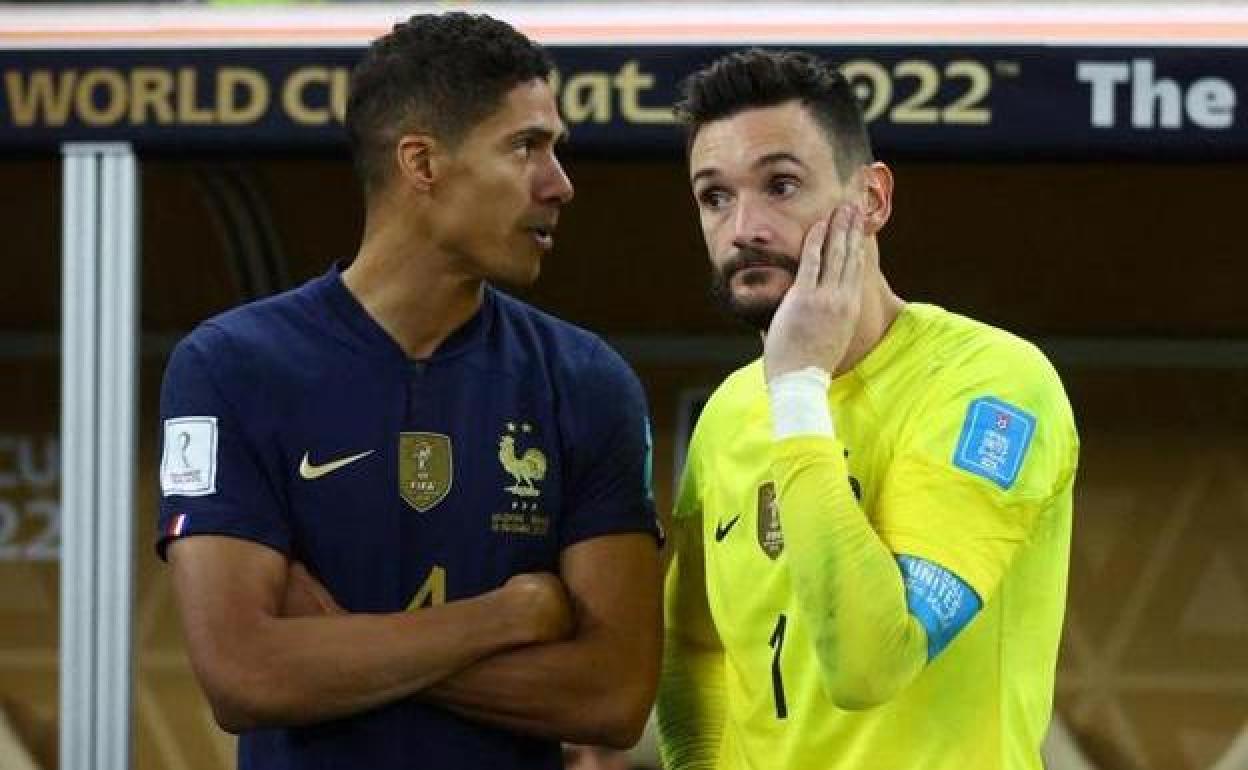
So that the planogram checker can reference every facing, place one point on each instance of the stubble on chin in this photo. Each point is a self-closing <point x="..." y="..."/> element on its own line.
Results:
<point x="758" y="313"/>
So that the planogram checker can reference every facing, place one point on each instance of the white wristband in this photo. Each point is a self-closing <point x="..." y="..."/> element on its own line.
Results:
<point x="799" y="403"/>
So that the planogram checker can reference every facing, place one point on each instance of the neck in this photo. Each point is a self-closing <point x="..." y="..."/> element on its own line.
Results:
<point x="408" y="285"/>
<point x="880" y="307"/>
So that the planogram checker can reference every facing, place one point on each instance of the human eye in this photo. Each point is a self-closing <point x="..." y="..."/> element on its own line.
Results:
<point x="783" y="185"/>
<point x="524" y="146"/>
<point x="713" y="197"/>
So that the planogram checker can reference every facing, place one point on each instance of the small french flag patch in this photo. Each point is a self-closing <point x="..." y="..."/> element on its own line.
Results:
<point x="177" y="526"/>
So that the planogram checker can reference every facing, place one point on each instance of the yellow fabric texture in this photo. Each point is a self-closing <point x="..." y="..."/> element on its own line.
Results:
<point x="789" y="646"/>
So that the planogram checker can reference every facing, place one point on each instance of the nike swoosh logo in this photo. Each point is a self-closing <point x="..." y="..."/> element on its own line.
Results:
<point x="312" y="472"/>
<point x="721" y="530"/>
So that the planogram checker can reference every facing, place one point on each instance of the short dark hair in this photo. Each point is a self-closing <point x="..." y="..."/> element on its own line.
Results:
<point x="757" y="78"/>
<point x="441" y="73"/>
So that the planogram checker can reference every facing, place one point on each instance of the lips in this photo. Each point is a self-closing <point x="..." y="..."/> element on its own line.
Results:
<point x="747" y="259"/>
<point x="749" y="263"/>
<point x="544" y="237"/>
<point x="543" y="232"/>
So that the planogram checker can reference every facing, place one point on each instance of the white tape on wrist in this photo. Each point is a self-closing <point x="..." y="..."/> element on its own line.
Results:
<point x="799" y="403"/>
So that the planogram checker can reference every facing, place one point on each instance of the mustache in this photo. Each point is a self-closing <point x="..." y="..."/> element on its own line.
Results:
<point x="750" y="257"/>
<point x="544" y="220"/>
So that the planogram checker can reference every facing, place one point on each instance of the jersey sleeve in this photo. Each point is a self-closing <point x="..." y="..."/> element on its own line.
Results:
<point x="691" y="698"/>
<point x="981" y="462"/>
<point x="212" y="478"/>
<point x="609" y="456"/>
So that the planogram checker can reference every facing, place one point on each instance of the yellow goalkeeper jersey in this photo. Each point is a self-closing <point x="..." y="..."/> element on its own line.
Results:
<point x="960" y="449"/>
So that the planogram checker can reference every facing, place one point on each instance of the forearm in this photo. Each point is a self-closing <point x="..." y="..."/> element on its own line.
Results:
<point x="283" y="671"/>
<point x="847" y="583"/>
<point x="598" y="685"/>
<point x="691" y="706"/>
<point x="584" y="690"/>
<point x="691" y="691"/>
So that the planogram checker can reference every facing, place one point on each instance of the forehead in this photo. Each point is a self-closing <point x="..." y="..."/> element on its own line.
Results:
<point x="529" y="105"/>
<point x="734" y="144"/>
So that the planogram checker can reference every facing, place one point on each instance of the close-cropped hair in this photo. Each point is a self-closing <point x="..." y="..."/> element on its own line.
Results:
<point x="758" y="78"/>
<point x="440" y="74"/>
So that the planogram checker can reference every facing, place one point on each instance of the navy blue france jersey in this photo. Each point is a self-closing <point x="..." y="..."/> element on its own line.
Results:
<point x="298" y="423"/>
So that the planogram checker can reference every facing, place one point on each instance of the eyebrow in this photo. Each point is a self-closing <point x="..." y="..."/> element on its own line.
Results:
<point x="769" y="159"/>
<point x="562" y="136"/>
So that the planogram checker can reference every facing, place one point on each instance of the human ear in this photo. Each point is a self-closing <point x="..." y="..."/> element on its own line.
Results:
<point x="414" y="155"/>
<point x="877" y="197"/>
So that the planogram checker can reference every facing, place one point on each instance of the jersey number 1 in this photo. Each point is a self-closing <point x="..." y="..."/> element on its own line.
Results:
<point x="777" y="679"/>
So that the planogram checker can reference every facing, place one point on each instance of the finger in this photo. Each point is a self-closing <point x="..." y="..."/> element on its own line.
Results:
<point x="850" y="244"/>
<point x="834" y="252"/>
<point x="808" y="268"/>
<point x="851" y="277"/>
<point x="824" y="270"/>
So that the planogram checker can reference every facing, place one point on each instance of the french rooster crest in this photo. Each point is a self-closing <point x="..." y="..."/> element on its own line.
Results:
<point x="527" y="469"/>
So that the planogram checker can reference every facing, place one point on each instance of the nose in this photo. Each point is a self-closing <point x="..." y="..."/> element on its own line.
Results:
<point x="556" y="187"/>
<point x="749" y="225"/>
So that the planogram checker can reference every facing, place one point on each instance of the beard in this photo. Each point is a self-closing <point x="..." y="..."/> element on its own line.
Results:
<point x="756" y="313"/>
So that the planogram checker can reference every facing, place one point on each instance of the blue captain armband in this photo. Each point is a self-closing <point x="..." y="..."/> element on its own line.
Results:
<point x="941" y="600"/>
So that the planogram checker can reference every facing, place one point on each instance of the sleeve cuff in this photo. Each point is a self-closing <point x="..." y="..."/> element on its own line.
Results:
<point x="799" y="403"/>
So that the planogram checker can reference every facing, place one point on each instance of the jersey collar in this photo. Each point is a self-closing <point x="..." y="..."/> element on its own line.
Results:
<point x="900" y="335"/>
<point x="364" y="330"/>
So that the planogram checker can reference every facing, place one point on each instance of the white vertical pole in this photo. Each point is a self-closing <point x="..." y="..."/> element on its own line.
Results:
<point x="98" y="439"/>
<point x="78" y="414"/>
<point x="116" y="452"/>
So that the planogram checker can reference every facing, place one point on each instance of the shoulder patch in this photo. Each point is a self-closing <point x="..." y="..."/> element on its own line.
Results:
<point x="994" y="440"/>
<point x="188" y="466"/>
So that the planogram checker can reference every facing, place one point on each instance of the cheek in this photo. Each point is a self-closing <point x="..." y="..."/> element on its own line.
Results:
<point x="708" y="231"/>
<point x="496" y="192"/>
<point x="499" y="187"/>
<point x="715" y="232"/>
<point x="811" y="211"/>
<point x="791" y="232"/>
<point x="496" y="209"/>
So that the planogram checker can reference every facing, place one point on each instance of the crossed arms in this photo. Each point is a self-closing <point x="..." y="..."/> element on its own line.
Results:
<point x="573" y="657"/>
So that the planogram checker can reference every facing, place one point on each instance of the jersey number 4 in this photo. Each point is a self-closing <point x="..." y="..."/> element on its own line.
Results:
<point x="777" y="678"/>
<point x="433" y="592"/>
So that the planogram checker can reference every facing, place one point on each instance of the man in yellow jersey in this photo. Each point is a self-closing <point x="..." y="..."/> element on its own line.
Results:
<point x="872" y="534"/>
